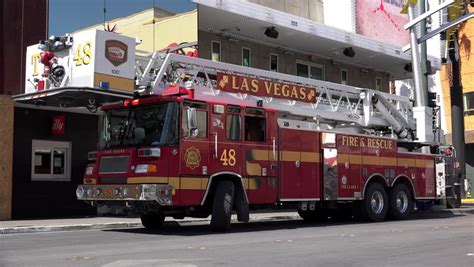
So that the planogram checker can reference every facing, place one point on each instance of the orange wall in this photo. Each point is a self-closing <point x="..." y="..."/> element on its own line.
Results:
<point x="466" y="51"/>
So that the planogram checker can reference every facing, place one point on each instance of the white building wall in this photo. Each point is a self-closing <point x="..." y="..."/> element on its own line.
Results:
<point x="340" y="14"/>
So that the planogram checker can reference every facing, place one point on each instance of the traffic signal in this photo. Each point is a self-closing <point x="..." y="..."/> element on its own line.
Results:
<point x="432" y="100"/>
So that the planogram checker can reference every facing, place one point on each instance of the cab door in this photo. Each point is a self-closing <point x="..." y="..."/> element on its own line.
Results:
<point x="194" y="154"/>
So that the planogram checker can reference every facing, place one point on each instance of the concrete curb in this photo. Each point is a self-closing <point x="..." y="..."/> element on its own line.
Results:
<point x="253" y="218"/>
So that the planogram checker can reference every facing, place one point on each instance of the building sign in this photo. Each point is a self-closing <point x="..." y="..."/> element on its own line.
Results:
<point x="381" y="20"/>
<point x="253" y="86"/>
<point x="58" y="124"/>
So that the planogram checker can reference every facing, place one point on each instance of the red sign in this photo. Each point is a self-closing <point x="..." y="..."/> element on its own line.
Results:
<point x="381" y="20"/>
<point x="253" y="86"/>
<point x="58" y="124"/>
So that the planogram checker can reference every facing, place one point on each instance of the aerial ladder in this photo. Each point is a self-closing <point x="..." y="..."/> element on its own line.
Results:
<point x="336" y="106"/>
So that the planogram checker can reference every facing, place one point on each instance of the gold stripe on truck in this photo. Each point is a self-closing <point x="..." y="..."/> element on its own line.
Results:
<point x="147" y="180"/>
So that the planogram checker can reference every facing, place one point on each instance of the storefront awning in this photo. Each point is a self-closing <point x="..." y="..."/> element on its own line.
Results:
<point x="73" y="97"/>
<point x="248" y="21"/>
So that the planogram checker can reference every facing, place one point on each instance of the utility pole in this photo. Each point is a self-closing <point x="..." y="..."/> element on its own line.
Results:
<point x="457" y="122"/>
<point x="423" y="53"/>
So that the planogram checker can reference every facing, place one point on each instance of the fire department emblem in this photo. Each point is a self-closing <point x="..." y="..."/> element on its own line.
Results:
<point x="192" y="158"/>
<point x="116" y="52"/>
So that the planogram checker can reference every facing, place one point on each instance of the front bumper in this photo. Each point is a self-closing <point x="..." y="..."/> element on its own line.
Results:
<point x="136" y="192"/>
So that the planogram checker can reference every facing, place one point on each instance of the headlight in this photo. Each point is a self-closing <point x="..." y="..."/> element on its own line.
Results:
<point x="97" y="192"/>
<point x="117" y="192"/>
<point x="125" y="192"/>
<point x="89" y="170"/>
<point x="79" y="192"/>
<point x="145" y="168"/>
<point x="88" y="192"/>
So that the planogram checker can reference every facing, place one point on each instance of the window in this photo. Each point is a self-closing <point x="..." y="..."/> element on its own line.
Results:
<point x="254" y="129"/>
<point x="233" y="124"/>
<point x="246" y="57"/>
<point x="344" y="77"/>
<point x="468" y="103"/>
<point x="201" y="116"/>
<point x="378" y="83"/>
<point x="233" y="127"/>
<point x="274" y="62"/>
<point x="310" y="71"/>
<point x="155" y="124"/>
<point x="216" y="51"/>
<point x="50" y="161"/>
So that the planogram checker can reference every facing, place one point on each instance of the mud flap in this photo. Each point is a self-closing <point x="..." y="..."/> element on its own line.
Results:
<point x="241" y="206"/>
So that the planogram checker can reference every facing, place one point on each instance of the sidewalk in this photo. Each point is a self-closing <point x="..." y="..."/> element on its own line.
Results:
<point x="76" y="224"/>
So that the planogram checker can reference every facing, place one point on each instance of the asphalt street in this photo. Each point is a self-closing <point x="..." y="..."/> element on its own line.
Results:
<point x="445" y="241"/>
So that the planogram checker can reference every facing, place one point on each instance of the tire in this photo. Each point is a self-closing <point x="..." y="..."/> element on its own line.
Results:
<point x="375" y="204"/>
<point x="152" y="221"/>
<point x="401" y="202"/>
<point x="222" y="206"/>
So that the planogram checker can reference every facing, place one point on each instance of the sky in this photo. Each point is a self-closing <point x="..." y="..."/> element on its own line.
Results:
<point x="69" y="15"/>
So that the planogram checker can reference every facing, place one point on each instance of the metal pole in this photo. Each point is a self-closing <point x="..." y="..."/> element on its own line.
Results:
<point x="457" y="125"/>
<point x="423" y="55"/>
<point x="419" y="94"/>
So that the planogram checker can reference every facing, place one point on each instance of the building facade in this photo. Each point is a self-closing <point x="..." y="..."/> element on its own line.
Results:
<point x="466" y="55"/>
<point x="23" y="24"/>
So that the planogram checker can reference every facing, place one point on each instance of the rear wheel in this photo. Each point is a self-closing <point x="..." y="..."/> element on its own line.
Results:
<point x="401" y="203"/>
<point x="152" y="221"/>
<point x="375" y="204"/>
<point x="222" y="206"/>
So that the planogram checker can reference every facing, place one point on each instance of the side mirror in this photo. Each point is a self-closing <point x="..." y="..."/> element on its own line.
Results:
<point x="192" y="122"/>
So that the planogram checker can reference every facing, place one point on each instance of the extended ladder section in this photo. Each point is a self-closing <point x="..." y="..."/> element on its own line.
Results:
<point x="338" y="104"/>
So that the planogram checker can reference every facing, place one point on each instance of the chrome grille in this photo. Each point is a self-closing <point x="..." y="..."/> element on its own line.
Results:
<point x="111" y="165"/>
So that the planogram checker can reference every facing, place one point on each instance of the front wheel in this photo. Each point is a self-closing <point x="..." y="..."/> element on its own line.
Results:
<point x="401" y="203"/>
<point x="375" y="204"/>
<point x="152" y="221"/>
<point x="222" y="206"/>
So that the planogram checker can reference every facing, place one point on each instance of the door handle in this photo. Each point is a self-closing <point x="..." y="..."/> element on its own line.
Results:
<point x="274" y="148"/>
<point x="215" y="145"/>
<point x="297" y="163"/>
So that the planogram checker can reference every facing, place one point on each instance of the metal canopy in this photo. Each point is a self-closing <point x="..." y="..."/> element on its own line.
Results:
<point x="248" y="21"/>
<point x="73" y="97"/>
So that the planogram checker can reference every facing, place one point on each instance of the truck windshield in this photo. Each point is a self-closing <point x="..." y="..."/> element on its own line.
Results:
<point x="150" y="125"/>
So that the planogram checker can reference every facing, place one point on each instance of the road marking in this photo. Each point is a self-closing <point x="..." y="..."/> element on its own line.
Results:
<point x="470" y="254"/>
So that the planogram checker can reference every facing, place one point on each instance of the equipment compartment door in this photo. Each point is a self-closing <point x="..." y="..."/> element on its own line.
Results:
<point x="290" y="163"/>
<point x="300" y="165"/>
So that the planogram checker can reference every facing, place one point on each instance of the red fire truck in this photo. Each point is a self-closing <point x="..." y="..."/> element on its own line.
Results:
<point x="207" y="138"/>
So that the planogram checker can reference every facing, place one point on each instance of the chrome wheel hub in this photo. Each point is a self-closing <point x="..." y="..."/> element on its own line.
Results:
<point x="377" y="202"/>
<point x="402" y="202"/>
